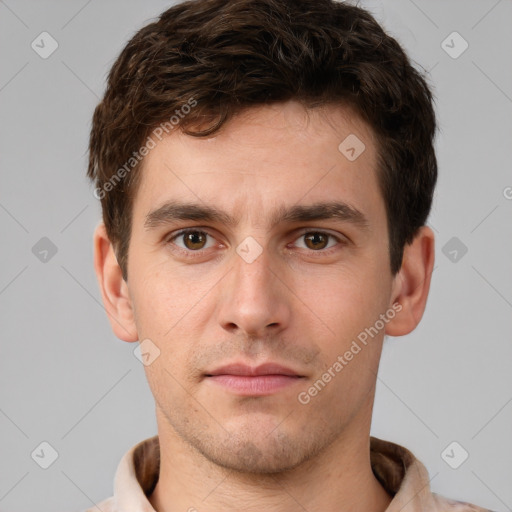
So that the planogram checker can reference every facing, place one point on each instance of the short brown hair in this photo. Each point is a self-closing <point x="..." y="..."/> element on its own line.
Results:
<point x="224" y="56"/>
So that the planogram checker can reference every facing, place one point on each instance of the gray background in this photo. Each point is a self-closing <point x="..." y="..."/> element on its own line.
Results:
<point x="65" y="378"/>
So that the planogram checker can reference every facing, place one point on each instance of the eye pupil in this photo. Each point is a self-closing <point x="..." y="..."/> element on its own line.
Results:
<point x="194" y="240"/>
<point x="316" y="238"/>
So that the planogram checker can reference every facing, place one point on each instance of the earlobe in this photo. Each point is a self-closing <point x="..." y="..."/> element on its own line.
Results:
<point x="114" y="290"/>
<point x="412" y="283"/>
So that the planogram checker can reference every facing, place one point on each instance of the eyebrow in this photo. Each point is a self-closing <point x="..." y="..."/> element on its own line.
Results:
<point x="172" y="211"/>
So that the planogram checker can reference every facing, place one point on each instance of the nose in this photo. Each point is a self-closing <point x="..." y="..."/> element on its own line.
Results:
<point x="255" y="299"/>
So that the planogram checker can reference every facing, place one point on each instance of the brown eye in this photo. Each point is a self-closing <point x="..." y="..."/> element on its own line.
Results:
<point x="316" y="240"/>
<point x="194" y="240"/>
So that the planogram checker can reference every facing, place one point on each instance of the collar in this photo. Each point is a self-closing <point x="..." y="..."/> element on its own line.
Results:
<point x="402" y="475"/>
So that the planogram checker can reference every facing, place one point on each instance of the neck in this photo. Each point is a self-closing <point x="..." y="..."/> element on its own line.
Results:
<point x="340" y="478"/>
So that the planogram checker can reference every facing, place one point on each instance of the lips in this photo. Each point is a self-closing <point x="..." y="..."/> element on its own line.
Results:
<point x="246" y="380"/>
<point x="254" y="371"/>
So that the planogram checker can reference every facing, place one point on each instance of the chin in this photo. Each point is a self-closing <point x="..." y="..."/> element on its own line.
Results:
<point x="249" y="458"/>
<point x="259" y="452"/>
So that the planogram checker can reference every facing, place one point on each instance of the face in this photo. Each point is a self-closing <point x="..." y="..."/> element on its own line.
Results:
<point x="282" y="265"/>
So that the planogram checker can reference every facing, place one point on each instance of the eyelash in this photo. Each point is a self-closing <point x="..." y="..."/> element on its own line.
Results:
<point x="199" y="252"/>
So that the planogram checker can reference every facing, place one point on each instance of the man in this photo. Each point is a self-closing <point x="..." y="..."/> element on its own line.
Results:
<point x="266" y="169"/>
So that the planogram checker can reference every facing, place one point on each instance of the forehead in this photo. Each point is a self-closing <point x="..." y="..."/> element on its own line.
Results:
<point x="264" y="159"/>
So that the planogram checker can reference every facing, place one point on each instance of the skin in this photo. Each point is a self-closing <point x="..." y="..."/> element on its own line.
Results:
<point x="296" y="304"/>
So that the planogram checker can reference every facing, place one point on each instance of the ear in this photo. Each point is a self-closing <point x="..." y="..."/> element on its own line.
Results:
<point x="114" y="290"/>
<point x="412" y="283"/>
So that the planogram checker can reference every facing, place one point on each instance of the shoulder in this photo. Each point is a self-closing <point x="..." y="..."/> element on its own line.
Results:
<point x="444" y="504"/>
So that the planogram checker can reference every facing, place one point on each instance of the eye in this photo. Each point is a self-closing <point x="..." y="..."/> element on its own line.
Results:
<point x="191" y="239"/>
<point x="317" y="240"/>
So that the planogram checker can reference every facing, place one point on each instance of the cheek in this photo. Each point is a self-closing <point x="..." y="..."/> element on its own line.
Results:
<point x="346" y="301"/>
<point x="159" y="303"/>
<point x="172" y="309"/>
<point x="156" y="303"/>
<point x="349" y="305"/>
<point x="162" y="292"/>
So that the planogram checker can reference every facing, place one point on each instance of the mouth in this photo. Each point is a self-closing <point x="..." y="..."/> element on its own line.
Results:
<point x="246" y="380"/>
